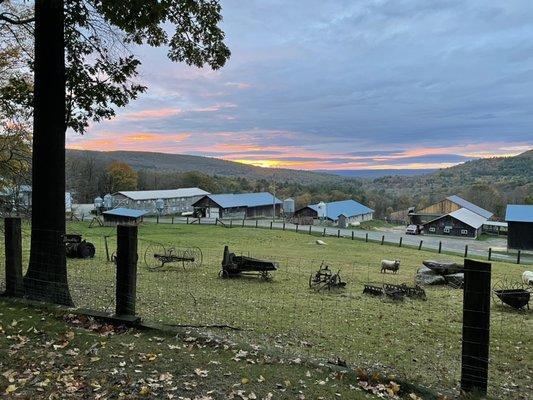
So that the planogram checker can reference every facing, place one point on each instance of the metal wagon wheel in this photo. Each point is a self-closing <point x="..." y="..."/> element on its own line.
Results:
<point x="195" y="254"/>
<point x="153" y="256"/>
<point x="223" y="274"/>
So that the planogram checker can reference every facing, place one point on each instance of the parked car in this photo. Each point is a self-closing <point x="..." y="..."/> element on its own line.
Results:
<point x="413" y="230"/>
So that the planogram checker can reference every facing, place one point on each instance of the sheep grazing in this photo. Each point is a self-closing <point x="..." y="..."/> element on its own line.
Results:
<point x="387" y="265"/>
<point x="527" y="277"/>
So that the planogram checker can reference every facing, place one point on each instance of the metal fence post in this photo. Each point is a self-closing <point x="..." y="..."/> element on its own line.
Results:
<point x="476" y="326"/>
<point x="338" y="233"/>
<point x="157" y="219"/>
<point x="352" y="235"/>
<point x="466" y="251"/>
<point x="106" y="249"/>
<point x="440" y="247"/>
<point x="324" y="233"/>
<point x="187" y="220"/>
<point x="13" y="249"/>
<point x="126" y="270"/>
<point x="231" y="223"/>
<point x="283" y="225"/>
<point x="420" y="245"/>
<point x="490" y="253"/>
<point x="366" y="237"/>
<point x="270" y="224"/>
<point x="172" y="220"/>
<point x="400" y="242"/>
<point x="296" y="228"/>
<point x="382" y="239"/>
<point x="256" y="222"/>
<point x="310" y="226"/>
<point x="243" y="222"/>
<point x="518" y="257"/>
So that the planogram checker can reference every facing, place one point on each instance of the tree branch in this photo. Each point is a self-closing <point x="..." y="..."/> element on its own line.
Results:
<point x="13" y="19"/>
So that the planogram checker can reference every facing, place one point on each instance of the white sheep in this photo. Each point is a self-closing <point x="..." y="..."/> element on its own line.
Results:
<point x="527" y="277"/>
<point x="387" y="265"/>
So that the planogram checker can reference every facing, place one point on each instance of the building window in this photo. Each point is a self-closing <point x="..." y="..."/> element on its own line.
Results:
<point x="464" y="231"/>
<point x="447" y="229"/>
<point x="432" y="229"/>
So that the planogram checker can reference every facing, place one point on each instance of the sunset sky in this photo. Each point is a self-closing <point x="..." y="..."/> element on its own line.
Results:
<point x="334" y="84"/>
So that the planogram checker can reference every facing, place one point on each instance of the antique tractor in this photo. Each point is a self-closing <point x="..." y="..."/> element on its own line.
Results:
<point x="76" y="247"/>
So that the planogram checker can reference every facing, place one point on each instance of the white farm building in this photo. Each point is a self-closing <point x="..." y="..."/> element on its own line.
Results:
<point x="172" y="201"/>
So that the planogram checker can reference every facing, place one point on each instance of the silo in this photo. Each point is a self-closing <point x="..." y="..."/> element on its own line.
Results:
<point x="288" y="206"/>
<point x="322" y="210"/>
<point x="98" y="202"/>
<point x="160" y="205"/>
<point x="108" y="201"/>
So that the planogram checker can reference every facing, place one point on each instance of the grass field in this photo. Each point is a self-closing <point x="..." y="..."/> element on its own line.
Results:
<point x="416" y="339"/>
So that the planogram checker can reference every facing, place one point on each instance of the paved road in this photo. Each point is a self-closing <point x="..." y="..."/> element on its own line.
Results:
<point x="478" y="248"/>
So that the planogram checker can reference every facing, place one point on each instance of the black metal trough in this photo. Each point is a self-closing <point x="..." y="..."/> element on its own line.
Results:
<point x="516" y="298"/>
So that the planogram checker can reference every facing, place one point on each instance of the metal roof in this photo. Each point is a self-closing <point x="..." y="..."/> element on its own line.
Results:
<point x="469" y="206"/>
<point x="244" y="199"/>
<point x="519" y="213"/>
<point x="349" y="208"/>
<point x="163" y="194"/>
<point x="466" y="216"/>
<point x="495" y="223"/>
<point x="126" y="212"/>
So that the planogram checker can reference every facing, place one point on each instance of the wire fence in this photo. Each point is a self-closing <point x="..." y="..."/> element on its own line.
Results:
<point x="178" y="283"/>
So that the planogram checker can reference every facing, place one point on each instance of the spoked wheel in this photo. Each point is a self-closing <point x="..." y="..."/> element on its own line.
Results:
<point x="265" y="275"/>
<point x="194" y="256"/>
<point x="223" y="274"/>
<point x="153" y="256"/>
<point x="504" y="285"/>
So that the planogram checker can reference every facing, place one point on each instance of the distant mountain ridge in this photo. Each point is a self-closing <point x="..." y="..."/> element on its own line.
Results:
<point x="140" y="160"/>
<point x="377" y="173"/>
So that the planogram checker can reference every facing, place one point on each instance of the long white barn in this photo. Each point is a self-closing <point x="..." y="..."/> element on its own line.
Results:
<point x="174" y="200"/>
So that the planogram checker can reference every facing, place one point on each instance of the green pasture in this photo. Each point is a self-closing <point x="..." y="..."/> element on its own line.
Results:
<point x="419" y="340"/>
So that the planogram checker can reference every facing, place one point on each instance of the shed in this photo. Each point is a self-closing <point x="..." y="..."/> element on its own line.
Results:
<point x="461" y="222"/>
<point x="239" y="205"/>
<point x="519" y="219"/>
<point x="446" y="206"/>
<point x="351" y="211"/>
<point x="123" y="216"/>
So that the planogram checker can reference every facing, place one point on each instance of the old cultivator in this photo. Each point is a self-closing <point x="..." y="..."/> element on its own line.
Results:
<point x="157" y="256"/>
<point x="324" y="278"/>
<point x="514" y="294"/>
<point x="234" y="266"/>
<point x="396" y="292"/>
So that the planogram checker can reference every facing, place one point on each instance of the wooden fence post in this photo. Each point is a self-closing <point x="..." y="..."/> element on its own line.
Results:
<point x="420" y="245"/>
<point x="13" y="254"/>
<point x="476" y="326"/>
<point x="106" y="249"/>
<point x="126" y="288"/>
<point x="466" y="251"/>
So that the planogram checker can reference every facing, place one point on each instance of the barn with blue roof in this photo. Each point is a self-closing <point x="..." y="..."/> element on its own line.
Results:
<point x="519" y="219"/>
<point x="342" y="212"/>
<point x="238" y="205"/>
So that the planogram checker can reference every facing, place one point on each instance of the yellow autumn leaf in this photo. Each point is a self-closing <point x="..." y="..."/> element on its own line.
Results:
<point x="10" y="389"/>
<point x="145" y="391"/>
<point x="244" y="381"/>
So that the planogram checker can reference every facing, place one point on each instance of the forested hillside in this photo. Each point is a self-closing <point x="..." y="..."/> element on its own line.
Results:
<point x="490" y="183"/>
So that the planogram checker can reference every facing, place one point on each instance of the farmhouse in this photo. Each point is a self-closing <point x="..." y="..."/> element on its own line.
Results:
<point x="238" y="206"/>
<point x="446" y="206"/>
<point x="123" y="216"/>
<point x="461" y="222"/>
<point x="171" y="201"/>
<point x="520" y="226"/>
<point x="339" y="212"/>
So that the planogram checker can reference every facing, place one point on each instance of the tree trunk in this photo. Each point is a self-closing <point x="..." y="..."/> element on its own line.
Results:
<point x="46" y="278"/>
